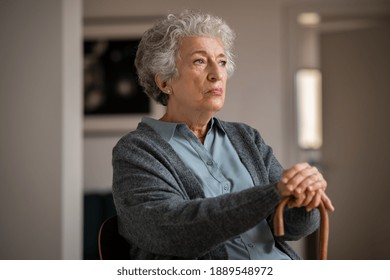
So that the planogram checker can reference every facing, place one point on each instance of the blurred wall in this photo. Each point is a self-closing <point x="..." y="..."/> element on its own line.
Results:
<point x="350" y="46"/>
<point x="356" y="148"/>
<point x="40" y="123"/>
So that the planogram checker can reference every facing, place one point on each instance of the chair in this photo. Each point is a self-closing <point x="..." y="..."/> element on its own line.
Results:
<point x="111" y="245"/>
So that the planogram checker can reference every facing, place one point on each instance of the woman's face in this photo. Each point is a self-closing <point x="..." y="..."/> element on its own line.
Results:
<point x="200" y="85"/>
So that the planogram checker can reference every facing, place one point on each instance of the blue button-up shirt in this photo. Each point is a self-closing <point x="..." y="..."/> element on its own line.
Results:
<point x="217" y="166"/>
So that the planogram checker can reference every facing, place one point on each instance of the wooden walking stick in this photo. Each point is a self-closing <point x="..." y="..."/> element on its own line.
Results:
<point x="324" y="226"/>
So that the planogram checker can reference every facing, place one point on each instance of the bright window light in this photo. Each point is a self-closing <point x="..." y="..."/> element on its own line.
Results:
<point x="309" y="108"/>
<point x="309" y="19"/>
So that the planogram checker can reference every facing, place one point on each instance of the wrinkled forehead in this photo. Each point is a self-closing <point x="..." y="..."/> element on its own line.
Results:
<point x="189" y="46"/>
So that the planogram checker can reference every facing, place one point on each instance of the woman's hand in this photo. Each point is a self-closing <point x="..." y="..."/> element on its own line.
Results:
<point x="307" y="185"/>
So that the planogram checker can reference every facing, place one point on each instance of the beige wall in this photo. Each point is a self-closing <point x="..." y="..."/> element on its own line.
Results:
<point x="352" y="53"/>
<point x="40" y="122"/>
<point x="356" y="144"/>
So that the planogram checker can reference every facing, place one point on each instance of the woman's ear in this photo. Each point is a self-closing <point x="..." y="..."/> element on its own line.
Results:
<point x="162" y="85"/>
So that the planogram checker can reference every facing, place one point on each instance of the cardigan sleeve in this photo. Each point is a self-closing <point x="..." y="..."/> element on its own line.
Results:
<point x="159" y="216"/>
<point x="298" y="222"/>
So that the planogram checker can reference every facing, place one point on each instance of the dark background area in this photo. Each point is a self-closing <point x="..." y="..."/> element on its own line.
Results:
<point x="110" y="80"/>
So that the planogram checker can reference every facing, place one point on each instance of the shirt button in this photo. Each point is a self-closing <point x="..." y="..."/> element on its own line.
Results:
<point x="226" y="187"/>
<point x="209" y="163"/>
<point x="250" y="245"/>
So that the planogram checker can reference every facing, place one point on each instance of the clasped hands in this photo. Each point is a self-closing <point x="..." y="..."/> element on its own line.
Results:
<point x="307" y="185"/>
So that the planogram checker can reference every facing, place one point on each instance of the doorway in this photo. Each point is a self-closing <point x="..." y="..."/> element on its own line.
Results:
<point x="356" y="97"/>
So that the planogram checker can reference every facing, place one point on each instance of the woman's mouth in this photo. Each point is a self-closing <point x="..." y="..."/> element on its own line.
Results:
<point x="216" y="91"/>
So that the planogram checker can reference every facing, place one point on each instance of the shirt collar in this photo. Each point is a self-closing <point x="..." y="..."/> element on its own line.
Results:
<point x="164" y="129"/>
<point x="167" y="129"/>
<point x="217" y="123"/>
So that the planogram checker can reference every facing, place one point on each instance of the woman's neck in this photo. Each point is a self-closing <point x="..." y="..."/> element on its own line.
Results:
<point x="197" y="124"/>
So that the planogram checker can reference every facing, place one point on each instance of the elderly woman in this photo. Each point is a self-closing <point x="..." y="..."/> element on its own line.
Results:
<point x="191" y="186"/>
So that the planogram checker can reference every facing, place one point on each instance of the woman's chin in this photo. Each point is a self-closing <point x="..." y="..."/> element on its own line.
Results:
<point x="216" y="105"/>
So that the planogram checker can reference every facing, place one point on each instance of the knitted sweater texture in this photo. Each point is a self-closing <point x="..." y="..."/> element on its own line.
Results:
<point x="162" y="210"/>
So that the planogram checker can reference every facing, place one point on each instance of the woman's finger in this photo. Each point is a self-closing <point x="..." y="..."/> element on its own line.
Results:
<point x="315" y="202"/>
<point x="292" y="171"/>
<point x="327" y="202"/>
<point x="297" y="201"/>
<point x="303" y="179"/>
<point x="309" y="198"/>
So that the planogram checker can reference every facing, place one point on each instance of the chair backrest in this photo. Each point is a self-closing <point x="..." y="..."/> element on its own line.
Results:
<point x="112" y="246"/>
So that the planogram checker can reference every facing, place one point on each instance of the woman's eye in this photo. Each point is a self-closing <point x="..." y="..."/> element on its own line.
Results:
<point x="222" y="62"/>
<point x="199" y="61"/>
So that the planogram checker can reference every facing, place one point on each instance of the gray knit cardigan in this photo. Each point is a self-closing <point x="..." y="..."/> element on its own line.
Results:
<point x="162" y="210"/>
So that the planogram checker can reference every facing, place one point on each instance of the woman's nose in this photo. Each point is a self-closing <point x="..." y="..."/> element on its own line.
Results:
<point x="215" y="73"/>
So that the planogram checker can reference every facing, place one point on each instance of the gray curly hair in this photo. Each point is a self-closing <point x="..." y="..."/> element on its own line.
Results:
<point x="158" y="47"/>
